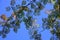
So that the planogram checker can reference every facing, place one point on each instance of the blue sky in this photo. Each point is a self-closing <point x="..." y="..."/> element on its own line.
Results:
<point x="22" y="33"/>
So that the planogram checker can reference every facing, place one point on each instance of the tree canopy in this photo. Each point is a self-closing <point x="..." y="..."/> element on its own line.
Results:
<point x="32" y="8"/>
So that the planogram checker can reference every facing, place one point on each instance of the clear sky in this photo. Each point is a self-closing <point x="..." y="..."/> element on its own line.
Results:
<point x="22" y="33"/>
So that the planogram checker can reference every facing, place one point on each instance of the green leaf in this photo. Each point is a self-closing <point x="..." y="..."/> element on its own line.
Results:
<point x="52" y="31"/>
<point x="9" y="18"/>
<point x="40" y="6"/>
<point x="7" y="30"/>
<point x="32" y="6"/>
<point x="0" y="33"/>
<point x="27" y="22"/>
<point x="18" y="6"/>
<point x="37" y="37"/>
<point x="20" y="15"/>
<point x="27" y="26"/>
<point x="35" y="32"/>
<point x="24" y="2"/>
<point x="56" y="6"/>
<point x="58" y="34"/>
<point x="15" y="29"/>
<point x="17" y="23"/>
<point x="8" y="25"/>
<point x="58" y="1"/>
<point x="34" y="0"/>
<point x="44" y="1"/>
<point x="37" y="12"/>
<point x="3" y="35"/>
<point x="13" y="22"/>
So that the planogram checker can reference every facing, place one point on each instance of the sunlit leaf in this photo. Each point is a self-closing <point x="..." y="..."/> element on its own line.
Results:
<point x="56" y="6"/>
<point x="53" y="1"/>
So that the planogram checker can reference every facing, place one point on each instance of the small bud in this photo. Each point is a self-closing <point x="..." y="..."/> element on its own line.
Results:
<point x="3" y="16"/>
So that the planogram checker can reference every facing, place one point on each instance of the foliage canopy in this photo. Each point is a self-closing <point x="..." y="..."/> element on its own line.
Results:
<point x="32" y="8"/>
